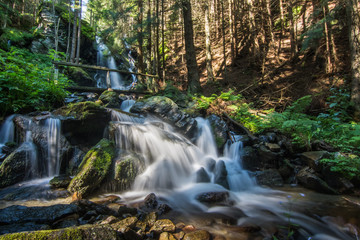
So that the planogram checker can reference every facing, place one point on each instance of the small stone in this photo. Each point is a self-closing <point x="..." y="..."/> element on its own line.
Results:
<point x="189" y="228"/>
<point x="126" y="210"/>
<point x="163" y="225"/>
<point x="198" y="235"/>
<point x="150" y="219"/>
<point x="273" y="147"/>
<point x="166" y="236"/>
<point x="213" y="197"/>
<point x="164" y="208"/>
<point x="122" y="225"/>
<point x="151" y="201"/>
<point x="110" y="220"/>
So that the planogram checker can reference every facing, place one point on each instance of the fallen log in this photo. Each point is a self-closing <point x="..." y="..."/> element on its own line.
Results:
<point x="100" y="90"/>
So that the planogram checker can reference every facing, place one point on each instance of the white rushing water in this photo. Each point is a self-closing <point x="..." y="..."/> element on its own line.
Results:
<point x="7" y="131"/>
<point x="53" y="137"/>
<point x="172" y="168"/>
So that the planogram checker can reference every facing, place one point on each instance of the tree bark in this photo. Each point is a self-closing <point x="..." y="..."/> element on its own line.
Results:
<point x="354" y="24"/>
<point x="223" y="36"/>
<point x="69" y="33"/>
<point x="209" y="69"/>
<point x="231" y="31"/>
<point x="79" y="35"/>
<point x="73" y="43"/>
<point x="140" y="37"/>
<point x="148" y="29"/>
<point x="191" y="64"/>
<point x="163" y="39"/>
<point x="292" y="29"/>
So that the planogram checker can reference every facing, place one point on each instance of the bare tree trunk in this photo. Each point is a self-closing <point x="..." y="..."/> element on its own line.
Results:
<point x="209" y="69"/>
<point x="292" y="29"/>
<point x="149" y="41"/>
<point x="191" y="64"/>
<point x="354" y="39"/>
<point x="157" y="29"/>
<point x="140" y="36"/>
<point x="79" y="36"/>
<point x="231" y="31"/>
<point x="223" y="35"/>
<point x="73" y="43"/>
<point x="328" y="67"/>
<point x="282" y="20"/>
<point x="163" y="39"/>
<point x="69" y="33"/>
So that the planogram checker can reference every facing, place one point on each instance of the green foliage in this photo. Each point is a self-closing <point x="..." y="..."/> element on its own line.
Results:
<point x="15" y="37"/>
<point x="26" y="82"/>
<point x="347" y="166"/>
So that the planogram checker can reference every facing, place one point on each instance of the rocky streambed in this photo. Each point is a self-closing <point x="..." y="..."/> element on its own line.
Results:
<point x="170" y="175"/>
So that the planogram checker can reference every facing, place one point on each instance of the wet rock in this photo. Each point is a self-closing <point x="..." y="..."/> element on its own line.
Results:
<point x="166" y="236"/>
<point x="268" y="158"/>
<point x="220" y="130"/>
<point x="271" y="137"/>
<point x="213" y="197"/>
<point x="169" y="111"/>
<point x="95" y="232"/>
<point x="124" y="224"/>
<point x="221" y="174"/>
<point x="86" y="206"/>
<point x="61" y="181"/>
<point x="269" y="177"/>
<point x="94" y="168"/>
<point x="80" y="77"/>
<point x="336" y="181"/>
<point x="124" y="210"/>
<point x="163" y="225"/>
<point x="22" y="227"/>
<point x="150" y="219"/>
<point x="127" y="168"/>
<point x="250" y="160"/>
<point x="164" y="208"/>
<point x="79" y="120"/>
<point x="17" y="214"/>
<point x="107" y="200"/>
<point x="197" y="235"/>
<point x="308" y="178"/>
<point x="313" y="158"/>
<point x="15" y="166"/>
<point x="151" y="201"/>
<point x="110" y="99"/>
<point x="273" y="147"/>
<point x="202" y="176"/>
<point x="210" y="164"/>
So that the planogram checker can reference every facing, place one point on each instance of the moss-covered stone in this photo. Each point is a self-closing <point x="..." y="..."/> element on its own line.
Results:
<point x="83" y="123"/>
<point x="94" y="168"/>
<point x="13" y="169"/>
<point x="100" y="232"/>
<point x="80" y="77"/>
<point x="110" y="99"/>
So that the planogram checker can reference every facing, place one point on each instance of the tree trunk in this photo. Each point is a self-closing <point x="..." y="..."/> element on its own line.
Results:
<point x="282" y="20"/>
<point x="79" y="35"/>
<point x="231" y="31"/>
<point x="157" y="57"/>
<point x="163" y="39"/>
<point x="73" y="43"/>
<point x="69" y="33"/>
<point x="354" y="24"/>
<point x="149" y="41"/>
<point x="292" y="29"/>
<point x="223" y="35"/>
<point x="140" y="37"/>
<point x="191" y="64"/>
<point x="210" y="74"/>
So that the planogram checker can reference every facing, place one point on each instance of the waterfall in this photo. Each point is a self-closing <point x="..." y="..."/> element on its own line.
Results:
<point x="205" y="140"/>
<point x="127" y="104"/>
<point x="7" y="130"/>
<point x="53" y="137"/>
<point x="115" y="77"/>
<point x="31" y="154"/>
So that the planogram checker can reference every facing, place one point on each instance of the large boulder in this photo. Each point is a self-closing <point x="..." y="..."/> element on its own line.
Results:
<point x="250" y="159"/>
<point x="80" y="77"/>
<point x="312" y="159"/>
<point x="220" y="130"/>
<point x="169" y="111"/>
<point x="96" y="232"/>
<point x="15" y="166"/>
<point x="110" y="99"/>
<point x="127" y="167"/>
<point x="78" y="121"/>
<point x="269" y="177"/>
<point x="94" y="168"/>
<point x="309" y="179"/>
<point x="221" y="174"/>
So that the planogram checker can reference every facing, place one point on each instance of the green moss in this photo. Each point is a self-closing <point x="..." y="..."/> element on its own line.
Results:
<point x="219" y="141"/>
<point x="94" y="168"/>
<point x="73" y="233"/>
<point x="81" y="110"/>
<point x="110" y="98"/>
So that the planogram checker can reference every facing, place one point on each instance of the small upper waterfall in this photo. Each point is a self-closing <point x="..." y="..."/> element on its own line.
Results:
<point x="7" y="130"/>
<point x="53" y="136"/>
<point x="115" y="79"/>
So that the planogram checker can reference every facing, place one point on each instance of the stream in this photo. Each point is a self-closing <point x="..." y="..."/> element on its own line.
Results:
<point x="178" y="171"/>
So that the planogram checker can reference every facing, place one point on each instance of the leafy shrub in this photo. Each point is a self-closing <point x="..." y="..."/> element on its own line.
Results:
<point x="347" y="166"/>
<point x="26" y="82"/>
<point x="15" y="37"/>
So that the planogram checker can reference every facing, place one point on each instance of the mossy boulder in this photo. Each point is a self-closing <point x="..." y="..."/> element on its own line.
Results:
<point x="110" y="99"/>
<point x="84" y="123"/>
<point x="13" y="169"/>
<point x="94" y="168"/>
<point x="61" y="181"/>
<point x="220" y="129"/>
<point x="83" y="232"/>
<point x="80" y="77"/>
<point x="127" y="168"/>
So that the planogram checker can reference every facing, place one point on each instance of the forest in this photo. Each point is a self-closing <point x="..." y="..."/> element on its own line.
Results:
<point x="282" y="74"/>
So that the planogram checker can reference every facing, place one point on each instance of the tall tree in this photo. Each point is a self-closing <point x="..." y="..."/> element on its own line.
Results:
<point x="354" y="39"/>
<point x="209" y="69"/>
<point x="73" y="42"/>
<point x="191" y="64"/>
<point x="79" y="35"/>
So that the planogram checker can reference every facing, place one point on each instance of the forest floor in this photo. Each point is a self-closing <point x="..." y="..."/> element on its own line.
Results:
<point x="286" y="78"/>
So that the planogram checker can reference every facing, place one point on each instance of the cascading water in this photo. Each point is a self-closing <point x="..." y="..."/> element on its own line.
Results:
<point x="127" y="104"/>
<point x="172" y="163"/>
<point x="6" y="132"/>
<point x="53" y="136"/>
